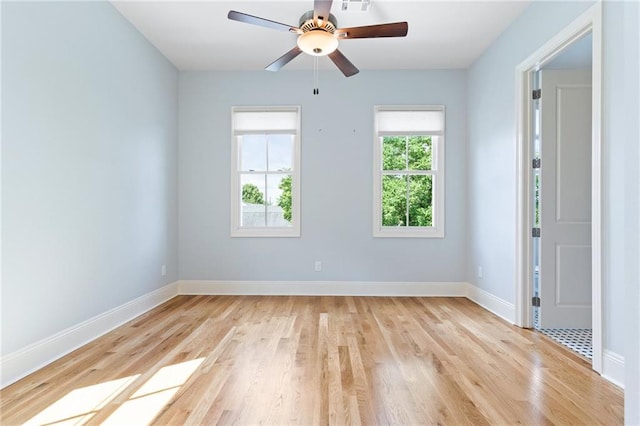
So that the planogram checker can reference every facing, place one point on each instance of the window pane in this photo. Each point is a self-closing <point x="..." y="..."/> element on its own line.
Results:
<point x="421" y="200"/>
<point x="280" y="152"/>
<point x="252" y="207"/>
<point x="253" y="153"/>
<point x="420" y="153"/>
<point x="279" y="200"/>
<point x="394" y="200"/>
<point x="394" y="153"/>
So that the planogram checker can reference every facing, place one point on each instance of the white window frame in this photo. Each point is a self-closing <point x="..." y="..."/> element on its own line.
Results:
<point x="236" y="198"/>
<point x="438" y="173"/>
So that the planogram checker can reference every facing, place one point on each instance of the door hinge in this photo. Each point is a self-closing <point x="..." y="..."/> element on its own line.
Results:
<point x="535" y="301"/>
<point x="535" y="232"/>
<point x="536" y="162"/>
<point x="536" y="94"/>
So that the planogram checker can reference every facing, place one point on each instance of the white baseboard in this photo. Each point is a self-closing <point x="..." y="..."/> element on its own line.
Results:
<point x="323" y="288"/>
<point x="17" y="365"/>
<point x="502" y="308"/>
<point x="613" y="368"/>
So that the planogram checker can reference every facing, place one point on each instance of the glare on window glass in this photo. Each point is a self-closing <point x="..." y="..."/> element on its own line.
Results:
<point x="280" y="152"/>
<point x="253" y="150"/>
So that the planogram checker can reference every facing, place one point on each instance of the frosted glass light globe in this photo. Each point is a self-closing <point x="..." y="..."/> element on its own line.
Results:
<point x="317" y="42"/>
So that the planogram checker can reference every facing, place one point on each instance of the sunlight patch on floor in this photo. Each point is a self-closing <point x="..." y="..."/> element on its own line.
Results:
<point x="79" y="405"/>
<point x="148" y="401"/>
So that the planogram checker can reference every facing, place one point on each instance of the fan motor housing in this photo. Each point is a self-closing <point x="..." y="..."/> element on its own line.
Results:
<point x="307" y="23"/>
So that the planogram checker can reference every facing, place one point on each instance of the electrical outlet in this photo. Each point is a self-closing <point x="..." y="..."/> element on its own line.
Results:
<point x="318" y="266"/>
<point x="163" y="270"/>
<point x="479" y="271"/>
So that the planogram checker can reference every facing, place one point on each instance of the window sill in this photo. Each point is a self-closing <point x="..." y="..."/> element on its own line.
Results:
<point x="265" y="233"/>
<point x="405" y="232"/>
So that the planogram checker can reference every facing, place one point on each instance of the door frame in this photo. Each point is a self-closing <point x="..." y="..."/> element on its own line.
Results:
<point x="589" y="22"/>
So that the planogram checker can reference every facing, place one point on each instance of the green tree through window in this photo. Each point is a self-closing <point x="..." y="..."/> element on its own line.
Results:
<point x="251" y="194"/>
<point x="285" y="200"/>
<point x="407" y="184"/>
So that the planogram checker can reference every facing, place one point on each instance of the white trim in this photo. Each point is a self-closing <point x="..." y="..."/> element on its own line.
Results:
<point x="596" y="192"/>
<point x="613" y="368"/>
<point x="17" y="365"/>
<point x="271" y="231"/>
<point x="524" y="268"/>
<point x="492" y="303"/>
<point x="322" y="288"/>
<point x="590" y="21"/>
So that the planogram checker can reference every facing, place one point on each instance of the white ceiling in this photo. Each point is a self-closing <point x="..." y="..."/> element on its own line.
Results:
<point x="196" y="35"/>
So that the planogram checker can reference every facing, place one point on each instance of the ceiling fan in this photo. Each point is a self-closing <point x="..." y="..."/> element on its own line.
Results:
<point x="319" y="35"/>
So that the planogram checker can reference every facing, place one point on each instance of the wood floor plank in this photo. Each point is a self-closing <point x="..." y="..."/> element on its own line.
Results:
<point x="316" y="360"/>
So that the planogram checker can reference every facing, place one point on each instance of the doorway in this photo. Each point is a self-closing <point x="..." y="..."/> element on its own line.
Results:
<point x="579" y="260"/>
<point x="561" y="177"/>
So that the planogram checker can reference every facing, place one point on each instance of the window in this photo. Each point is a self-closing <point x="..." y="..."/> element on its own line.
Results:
<point x="408" y="153"/>
<point x="265" y="176"/>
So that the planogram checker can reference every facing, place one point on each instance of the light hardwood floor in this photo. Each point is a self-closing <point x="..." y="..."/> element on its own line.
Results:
<point x="316" y="360"/>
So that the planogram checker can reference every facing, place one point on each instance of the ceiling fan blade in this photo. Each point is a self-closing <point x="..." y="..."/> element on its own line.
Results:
<point x="284" y="59"/>
<point x="255" y="20"/>
<point x="395" y="29"/>
<point x="341" y="61"/>
<point x="321" y="9"/>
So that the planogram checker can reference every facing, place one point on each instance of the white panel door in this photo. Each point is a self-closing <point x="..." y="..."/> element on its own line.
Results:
<point x="565" y="199"/>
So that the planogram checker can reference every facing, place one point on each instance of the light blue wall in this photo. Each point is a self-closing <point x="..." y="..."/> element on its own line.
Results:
<point x="492" y="159"/>
<point x="89" y="166"/>
<point x="492" y="143"/>
<point x="336" y="176"/>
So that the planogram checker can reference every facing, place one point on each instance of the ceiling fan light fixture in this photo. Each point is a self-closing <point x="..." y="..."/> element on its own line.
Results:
<point x="317" y="42"/>
<point x="319" y="34"/>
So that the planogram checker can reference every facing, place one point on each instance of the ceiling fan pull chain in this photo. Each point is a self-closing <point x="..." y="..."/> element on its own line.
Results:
<point x="316" y="90"/>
